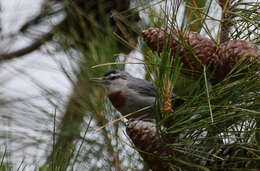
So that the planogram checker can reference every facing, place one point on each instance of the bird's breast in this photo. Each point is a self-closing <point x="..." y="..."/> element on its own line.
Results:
<point x="117" y="99"/>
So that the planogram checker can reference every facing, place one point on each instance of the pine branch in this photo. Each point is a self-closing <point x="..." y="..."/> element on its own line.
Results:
<point x="225" y="24"/>
<point x="46" y="12"/>
<point x="28" y="49"/>
<point x="80" y="34"/>
<point x="116" y="161"/>
<point x="70" y="127"/>
<point x="207" y="135"/>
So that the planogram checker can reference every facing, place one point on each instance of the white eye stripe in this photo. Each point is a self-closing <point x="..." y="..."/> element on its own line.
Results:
<point x="113" y="76"/>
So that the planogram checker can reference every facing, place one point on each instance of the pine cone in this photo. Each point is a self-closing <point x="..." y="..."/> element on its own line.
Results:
<point x="230" y="53"/>
<point x="155" y="37"/>
<point x="192" y="48"/>
<point x="203" y="48"/>
<point x="143" y="135"/>
<point x="158" y="156"/>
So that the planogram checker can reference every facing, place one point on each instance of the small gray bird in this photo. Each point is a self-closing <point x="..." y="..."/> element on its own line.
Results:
<point x="129" y="94"/>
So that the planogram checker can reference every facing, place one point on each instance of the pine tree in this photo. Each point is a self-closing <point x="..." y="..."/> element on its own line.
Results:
<point x="216" y="126"/>
<point x="205" y="71"/>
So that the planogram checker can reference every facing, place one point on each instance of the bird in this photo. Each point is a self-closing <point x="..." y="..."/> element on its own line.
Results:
<point x="128" y="94"/>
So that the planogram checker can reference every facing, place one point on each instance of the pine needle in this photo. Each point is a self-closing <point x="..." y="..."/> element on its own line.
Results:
<point x="122" y="117"/>
<point x="207" y="90"/>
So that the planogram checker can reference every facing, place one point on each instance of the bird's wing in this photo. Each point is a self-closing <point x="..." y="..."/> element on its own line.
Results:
<point x="142" y="86"/>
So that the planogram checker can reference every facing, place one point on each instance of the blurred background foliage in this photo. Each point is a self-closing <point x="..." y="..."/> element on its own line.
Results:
<point x="50" y="121"/>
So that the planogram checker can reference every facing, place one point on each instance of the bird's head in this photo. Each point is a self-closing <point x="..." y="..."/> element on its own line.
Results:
<point x="113" y="80"/>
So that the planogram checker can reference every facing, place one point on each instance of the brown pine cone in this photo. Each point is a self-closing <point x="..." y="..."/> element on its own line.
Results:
<point x="192" y="48"/>
<point x="231" y="52"/>
<point x="155" y="37"/>
<point x="155" y="152"/>
<point x="203" y="49"/>
<point x="143" y="135"/>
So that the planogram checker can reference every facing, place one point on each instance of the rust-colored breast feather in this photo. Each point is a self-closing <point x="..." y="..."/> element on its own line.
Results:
<point x="117" y="99"/>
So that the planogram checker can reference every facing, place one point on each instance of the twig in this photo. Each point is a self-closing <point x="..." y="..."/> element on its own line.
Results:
<point x="23" y="51"/>
<point x="116" y="161"/>
<point x="46" y="12"/>
<point x="226" y="23"/>
<point x="122" y="117"/>
<point x="33" y="46"/>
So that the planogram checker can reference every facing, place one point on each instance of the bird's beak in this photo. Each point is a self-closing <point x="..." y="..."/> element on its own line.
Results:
<point x="98" y="80"/>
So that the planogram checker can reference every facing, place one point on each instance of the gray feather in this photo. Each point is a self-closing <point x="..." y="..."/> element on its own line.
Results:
<point x="142" y="87"/>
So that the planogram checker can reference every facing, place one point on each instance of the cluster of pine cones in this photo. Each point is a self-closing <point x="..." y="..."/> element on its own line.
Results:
<point x="196" y="50"/>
